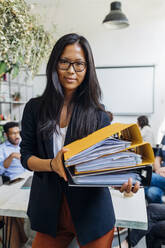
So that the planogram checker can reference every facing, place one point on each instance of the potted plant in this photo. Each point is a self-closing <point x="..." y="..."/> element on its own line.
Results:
<point x="2" y="138"/>
<point x="23" y="42"/>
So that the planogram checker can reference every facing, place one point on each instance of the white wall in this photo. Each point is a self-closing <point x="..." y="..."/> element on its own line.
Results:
<point x="140" y="44"/>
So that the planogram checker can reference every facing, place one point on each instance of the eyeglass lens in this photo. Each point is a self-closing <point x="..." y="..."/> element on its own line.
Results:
<point x="65" y="65"/>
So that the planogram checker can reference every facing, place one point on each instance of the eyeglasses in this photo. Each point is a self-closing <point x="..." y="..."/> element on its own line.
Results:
<point x="78" y="66"/>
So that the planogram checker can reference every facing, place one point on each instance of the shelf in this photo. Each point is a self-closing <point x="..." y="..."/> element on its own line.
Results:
<point x="3" y="122"/>
<point x="13" y="102"/>
<point x="17" y="83"/>
<point x="10" y="107"/>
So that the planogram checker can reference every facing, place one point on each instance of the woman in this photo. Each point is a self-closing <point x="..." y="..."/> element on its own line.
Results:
<point x="145" y="129"/>
<point x="69" y="109"/>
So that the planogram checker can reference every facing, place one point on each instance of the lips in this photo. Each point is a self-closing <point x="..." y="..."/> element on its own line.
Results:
<point x="70" y="79"/>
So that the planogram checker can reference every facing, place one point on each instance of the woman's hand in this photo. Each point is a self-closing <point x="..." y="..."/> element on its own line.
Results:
<point x="57" y="163"/>
<point x="127" y="187"/>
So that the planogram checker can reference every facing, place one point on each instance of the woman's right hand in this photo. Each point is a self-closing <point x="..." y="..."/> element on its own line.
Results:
<point x="57" y="164"/>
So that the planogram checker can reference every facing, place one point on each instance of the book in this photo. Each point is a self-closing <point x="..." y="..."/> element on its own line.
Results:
<point x="28" y="183"/>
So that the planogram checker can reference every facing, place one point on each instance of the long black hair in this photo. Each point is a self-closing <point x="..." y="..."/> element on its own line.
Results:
<point x="86" y="100"/>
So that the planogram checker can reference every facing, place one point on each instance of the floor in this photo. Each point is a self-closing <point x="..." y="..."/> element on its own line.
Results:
<point x="141" y="244"/>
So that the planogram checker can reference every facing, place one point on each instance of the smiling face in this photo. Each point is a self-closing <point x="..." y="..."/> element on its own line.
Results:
<point x="71" y="75"/>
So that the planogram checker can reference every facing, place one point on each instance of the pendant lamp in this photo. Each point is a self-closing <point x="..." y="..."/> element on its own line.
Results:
<point x="116" y="19"/>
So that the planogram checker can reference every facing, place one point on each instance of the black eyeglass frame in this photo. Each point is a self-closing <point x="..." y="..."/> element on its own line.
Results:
<point x="72" y="64"/>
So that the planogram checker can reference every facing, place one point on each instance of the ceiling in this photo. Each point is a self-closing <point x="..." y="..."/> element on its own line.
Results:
<point x="66" y="15"/>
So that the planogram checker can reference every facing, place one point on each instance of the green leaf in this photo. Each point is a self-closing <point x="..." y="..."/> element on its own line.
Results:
<point x="15" y="71"/>
<point x="3" y="68"/>
<point x="21" y="60"/>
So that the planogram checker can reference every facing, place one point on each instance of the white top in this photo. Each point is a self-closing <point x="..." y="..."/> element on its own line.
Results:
<point x="58" y="140"/>
<point x="147" y="135"/>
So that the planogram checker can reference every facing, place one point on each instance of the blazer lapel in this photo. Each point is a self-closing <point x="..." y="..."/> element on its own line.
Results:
<point x="48" y="144"/>
<point x="68" y="135"/>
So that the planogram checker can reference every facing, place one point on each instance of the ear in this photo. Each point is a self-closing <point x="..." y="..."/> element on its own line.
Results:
<point x="5" y="135"/>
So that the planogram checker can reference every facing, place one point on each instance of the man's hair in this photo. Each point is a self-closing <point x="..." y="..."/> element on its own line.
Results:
<point x="9" y="125"/>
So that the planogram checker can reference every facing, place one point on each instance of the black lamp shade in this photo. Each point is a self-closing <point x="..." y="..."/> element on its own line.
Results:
<point x="116" y="19"/>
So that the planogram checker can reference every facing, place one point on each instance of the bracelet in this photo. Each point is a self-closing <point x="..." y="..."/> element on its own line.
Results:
<point x="51" y="167"/>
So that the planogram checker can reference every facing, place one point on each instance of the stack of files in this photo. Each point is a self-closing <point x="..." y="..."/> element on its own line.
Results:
<point x="141" y="174"/>
<point x="109" y="145"/>
<point x="102" y="160"/>
<point x="116" y="160"/>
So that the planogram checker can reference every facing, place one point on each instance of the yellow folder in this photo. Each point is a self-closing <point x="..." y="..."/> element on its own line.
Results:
<point x="129" y="132"/>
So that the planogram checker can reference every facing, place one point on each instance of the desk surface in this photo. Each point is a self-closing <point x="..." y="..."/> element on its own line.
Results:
<point x="13" y="199"/>
<point x="130" y="212"/>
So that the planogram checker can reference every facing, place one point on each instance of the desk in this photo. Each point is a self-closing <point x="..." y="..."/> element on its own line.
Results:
<point x="13" y="202"/>
<point x="130" y="212"/>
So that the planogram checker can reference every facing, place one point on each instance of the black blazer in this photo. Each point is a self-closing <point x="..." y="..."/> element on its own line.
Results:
<point x="91" y="208"/>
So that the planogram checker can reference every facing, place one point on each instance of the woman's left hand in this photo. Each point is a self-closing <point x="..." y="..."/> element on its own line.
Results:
<point x="128" y="187"/>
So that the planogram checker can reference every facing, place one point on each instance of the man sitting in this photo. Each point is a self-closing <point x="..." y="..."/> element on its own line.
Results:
<point x="10" y="151"/>
<point x="10" y="166"/>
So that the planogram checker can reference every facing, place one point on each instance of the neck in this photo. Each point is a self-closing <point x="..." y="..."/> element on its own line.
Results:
<point x="14" y="144"/>
<point x="68" y="97"/>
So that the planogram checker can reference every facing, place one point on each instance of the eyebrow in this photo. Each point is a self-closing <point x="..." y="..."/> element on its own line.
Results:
<point x="76" y="60"/>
